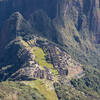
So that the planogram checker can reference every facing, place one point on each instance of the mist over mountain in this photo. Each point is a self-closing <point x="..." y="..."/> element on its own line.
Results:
<point x="49" y="48"/>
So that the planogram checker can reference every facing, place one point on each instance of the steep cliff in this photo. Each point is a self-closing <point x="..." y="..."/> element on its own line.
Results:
<point x="16" y="25"/>
<point x="84" y="14"/>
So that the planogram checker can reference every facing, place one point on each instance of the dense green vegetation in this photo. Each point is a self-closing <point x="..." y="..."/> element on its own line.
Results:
<point x="87" y="87"/>
<point x="19" y="91"/>
<point x="90" y="83"/>
<point x="67" y="92"/>
<point x="45" y="87"/>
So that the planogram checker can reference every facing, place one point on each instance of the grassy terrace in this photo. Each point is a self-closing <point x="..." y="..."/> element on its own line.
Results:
<point x="39" y="56"/>
<point x="44" y="87"/>
<point x="19" y="91"/>
<point x="40" y="59"/>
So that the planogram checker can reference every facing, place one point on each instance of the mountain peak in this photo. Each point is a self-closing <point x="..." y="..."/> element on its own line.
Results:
<point x="18" y="18"/>
<point x="17" y="14"/>
<point x="16" y="25"/>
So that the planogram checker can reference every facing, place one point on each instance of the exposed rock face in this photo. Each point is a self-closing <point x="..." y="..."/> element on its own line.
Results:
<point x="84" y="14"/>
<point x="40" y="21"/>
<point x="95" y="20"/>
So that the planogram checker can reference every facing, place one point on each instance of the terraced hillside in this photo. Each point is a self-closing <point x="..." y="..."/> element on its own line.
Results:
<point x="49" y="50"/>
<point x="39" y="65"/>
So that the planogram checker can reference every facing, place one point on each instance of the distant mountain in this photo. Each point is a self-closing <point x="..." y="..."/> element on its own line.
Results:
<point x="83" y="13"/>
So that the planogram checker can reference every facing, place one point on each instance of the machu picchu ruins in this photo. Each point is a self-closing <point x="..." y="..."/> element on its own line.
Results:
<point x="60" y="61"/>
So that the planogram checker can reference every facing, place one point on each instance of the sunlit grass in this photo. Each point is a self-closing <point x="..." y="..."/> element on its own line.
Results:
<point x="45" y="87"/>
<point x="40" y="59"/>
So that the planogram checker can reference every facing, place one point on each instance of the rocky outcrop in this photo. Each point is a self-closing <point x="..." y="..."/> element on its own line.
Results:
<point x="41" y="22"/>
<point x="15" y="26"/>
<point x="86" y="16"/>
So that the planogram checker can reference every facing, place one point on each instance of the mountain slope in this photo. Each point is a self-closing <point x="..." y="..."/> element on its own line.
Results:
<point x="50" y="49"/>
<point x="18" y="91"/>
<point x="16" y="25"/>
<point x="78" y="11"/>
